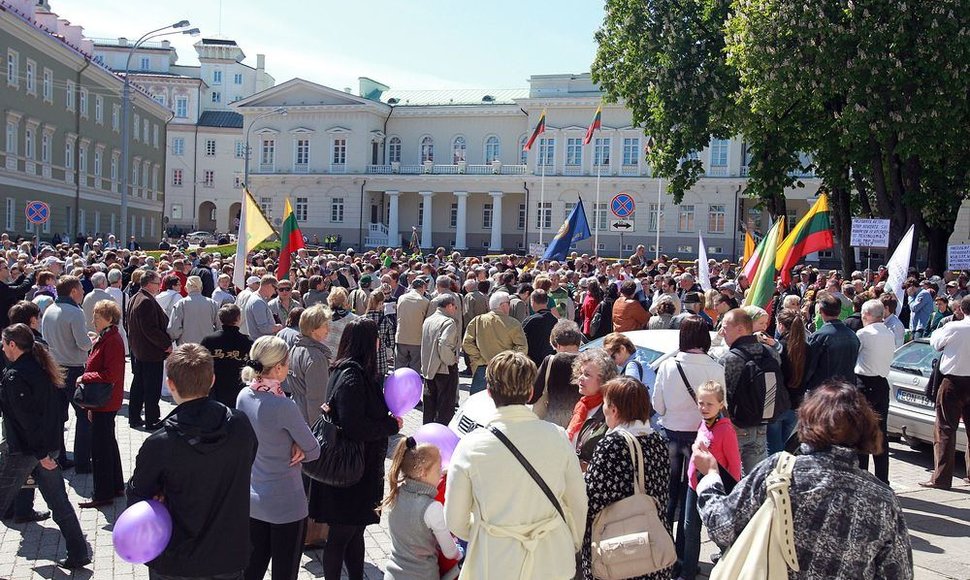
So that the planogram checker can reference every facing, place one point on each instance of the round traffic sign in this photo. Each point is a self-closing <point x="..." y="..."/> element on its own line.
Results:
<point x="37" y="212"/>
<point x="622" y="205"/>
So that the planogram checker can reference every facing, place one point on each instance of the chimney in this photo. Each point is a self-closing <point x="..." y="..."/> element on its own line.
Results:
<point x="166" y="44"/>
<point x="260" y="62"/>
<point x="122" y="41"/>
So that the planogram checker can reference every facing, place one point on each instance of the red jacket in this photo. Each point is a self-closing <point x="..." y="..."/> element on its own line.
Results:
<point x="106" y="364"/>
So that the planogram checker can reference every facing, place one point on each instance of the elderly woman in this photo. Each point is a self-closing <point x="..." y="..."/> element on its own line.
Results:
<point x="847" y="524"/>
<point x="555" y="394"/>
<point x="591" y="370"/>
<point x="339" y="303"/>
<point x="513" y="529"/>
<point x="310" y="363"/>
<point x="609" y="477"/>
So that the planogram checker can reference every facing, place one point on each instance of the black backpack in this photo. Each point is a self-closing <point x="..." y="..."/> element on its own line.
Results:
<point x="754" y="401"/>
<point x="602" y="322"/>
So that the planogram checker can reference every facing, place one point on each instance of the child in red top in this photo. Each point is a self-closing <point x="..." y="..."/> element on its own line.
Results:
<point x="715" y="434"/>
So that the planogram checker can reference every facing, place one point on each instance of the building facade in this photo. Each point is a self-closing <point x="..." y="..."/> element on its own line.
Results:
<point x="205" y="141"/>
<point x="61" y="113"/>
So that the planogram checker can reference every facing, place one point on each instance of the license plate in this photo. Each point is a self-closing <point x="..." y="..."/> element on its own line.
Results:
<point x="914" y="399"/>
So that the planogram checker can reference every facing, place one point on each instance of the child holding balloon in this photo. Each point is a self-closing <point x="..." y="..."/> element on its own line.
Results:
<point x="416" y="521"/>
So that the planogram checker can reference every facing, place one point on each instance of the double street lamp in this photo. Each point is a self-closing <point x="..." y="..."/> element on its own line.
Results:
<point x="281" y="111"/>
<point x="126" y="106"/>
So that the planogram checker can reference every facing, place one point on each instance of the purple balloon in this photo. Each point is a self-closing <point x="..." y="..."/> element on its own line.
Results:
<point x="441" y="437"/>
<point x="402" y="391"/>
<point x="142" y="532"/>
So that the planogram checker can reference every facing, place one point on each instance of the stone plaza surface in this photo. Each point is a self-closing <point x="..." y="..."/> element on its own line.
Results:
<point x="939" y="523"/>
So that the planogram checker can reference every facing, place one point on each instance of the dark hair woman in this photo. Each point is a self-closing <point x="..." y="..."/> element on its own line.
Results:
<point x="32" y="425"/>
<point x="356" y="405"/>
<point x="844" y="519"/>
<point x="794" y="354"/>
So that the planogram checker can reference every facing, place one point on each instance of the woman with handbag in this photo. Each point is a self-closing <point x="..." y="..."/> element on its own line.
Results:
<point x="591" y="370"/>
<point x="844" y="522"/>
<point x="106" y="364"/>
<point x="277" y="504"/>
<point x="610" y="475"/>
<point x="356" y="406"/>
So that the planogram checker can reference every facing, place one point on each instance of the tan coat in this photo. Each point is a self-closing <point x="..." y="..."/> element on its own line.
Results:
<point x="439" y="344"/>
<point x="473" y="304"/>
<point x="492" y="333"/>
<point x="457" y="317"/>
<point x="412" y="309"/>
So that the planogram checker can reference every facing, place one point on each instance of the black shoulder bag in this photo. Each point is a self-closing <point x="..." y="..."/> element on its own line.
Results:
<point x="528" y="467"/>
<point x="341" y="461"/>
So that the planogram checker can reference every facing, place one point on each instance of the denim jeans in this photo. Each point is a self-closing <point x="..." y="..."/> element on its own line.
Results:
<point x="478" y="381"/>
<point x="779" y="430"/>
<point x="14" y="469"/>
<point x="679" y="447"/>
<point x="50" y="482"/>
<point x="689" y="549"/>
<point x="753" y="444"/>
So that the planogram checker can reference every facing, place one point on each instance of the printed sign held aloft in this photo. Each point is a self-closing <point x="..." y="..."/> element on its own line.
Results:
<point x="870" y="233"/>
<point x="958" y="257"/>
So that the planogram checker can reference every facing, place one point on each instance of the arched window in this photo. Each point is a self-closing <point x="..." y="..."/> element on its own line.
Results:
<point x="523" y="154"/>
<point x="458" y="148"/>
<point x="394" y="150"/>
<point x="492" y="151"/>
<point x="427" y="149"/>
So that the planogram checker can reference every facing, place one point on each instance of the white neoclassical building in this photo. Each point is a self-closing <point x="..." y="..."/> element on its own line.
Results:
<point x="375" y="166"/>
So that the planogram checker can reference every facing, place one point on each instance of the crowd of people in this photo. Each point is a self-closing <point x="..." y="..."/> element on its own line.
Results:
<point x="252" y="369"/>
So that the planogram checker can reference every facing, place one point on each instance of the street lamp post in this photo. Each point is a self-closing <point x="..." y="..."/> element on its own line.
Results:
<point x="126" y="105"/>
<point x="281" y="111"/>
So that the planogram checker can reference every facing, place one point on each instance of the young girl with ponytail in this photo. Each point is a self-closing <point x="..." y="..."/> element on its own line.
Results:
<point x="416" y="521"/>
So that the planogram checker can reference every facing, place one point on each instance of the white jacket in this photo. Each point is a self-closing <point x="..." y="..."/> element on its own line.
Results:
<point x="672" y="401"/>
<point x="512" y="528"/>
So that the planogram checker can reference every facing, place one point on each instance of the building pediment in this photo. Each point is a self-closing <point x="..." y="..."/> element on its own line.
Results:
<point x="302" y="93"/>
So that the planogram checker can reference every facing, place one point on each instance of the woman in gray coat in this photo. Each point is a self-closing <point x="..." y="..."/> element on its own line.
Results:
<point x="310" y="359"/>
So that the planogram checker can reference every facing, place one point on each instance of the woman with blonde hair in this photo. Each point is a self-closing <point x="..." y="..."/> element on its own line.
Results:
<point x="277" y="506"/>
<point x="339" y="302"/>
<point x="310" y="360"/>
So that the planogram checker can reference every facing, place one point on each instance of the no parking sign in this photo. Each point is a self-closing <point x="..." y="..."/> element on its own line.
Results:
<point x="37" y="212"/>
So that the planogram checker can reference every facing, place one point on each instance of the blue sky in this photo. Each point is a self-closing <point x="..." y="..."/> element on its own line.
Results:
<point x="407" y="45"/>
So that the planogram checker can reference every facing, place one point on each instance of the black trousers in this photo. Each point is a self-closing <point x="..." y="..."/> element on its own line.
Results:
<point x="82" y="429"/>
<point x="153" y="575"/>
<point x="876" y="390"/>
<point x="146" y="390"/>
<point x="105" y="457"/>
<point x="345" y="545"/>
<point x="440" y="396"/>
<point x="283" y="543"/>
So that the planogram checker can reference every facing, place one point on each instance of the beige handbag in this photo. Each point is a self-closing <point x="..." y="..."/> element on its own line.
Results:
<point x="628" y="537"/>
<point x="765" y="549"/>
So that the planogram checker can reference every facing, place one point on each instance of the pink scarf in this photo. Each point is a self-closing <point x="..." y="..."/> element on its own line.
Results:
<point x="261" y="385"/>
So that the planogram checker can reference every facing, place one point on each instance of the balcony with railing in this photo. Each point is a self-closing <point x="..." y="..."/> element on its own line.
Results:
<point x="717" y="171"/>
<point x="460" y="168"/>
<point x="629" y="170"/>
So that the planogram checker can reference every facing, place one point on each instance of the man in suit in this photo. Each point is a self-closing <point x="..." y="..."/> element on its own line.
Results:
<point x="150" y="344"/>
<point x="439" y="360"/>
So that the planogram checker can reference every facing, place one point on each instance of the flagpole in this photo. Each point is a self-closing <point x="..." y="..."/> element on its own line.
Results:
<point x="542" y="193"/>
<point x="596" y="207"/>
<point x="660" y="189"/>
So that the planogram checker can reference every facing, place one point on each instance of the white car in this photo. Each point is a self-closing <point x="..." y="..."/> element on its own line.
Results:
<point x="200" y="236"/>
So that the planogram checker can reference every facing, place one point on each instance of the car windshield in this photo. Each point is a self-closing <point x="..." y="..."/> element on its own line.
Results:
<point x="915" y="358"/>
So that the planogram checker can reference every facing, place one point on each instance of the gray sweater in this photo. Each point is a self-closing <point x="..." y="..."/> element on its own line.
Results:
<point x="193" y="318"/>
<point x="308" y="377"/>
<point x="276" y="492"/>
<point x="66" y="333"/>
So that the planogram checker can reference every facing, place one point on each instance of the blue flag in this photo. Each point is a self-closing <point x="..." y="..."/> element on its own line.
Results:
<point x="575" y="228"/>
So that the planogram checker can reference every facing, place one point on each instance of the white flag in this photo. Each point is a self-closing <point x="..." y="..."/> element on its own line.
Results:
<point x="898" y="267"/>
<point x="703" y="271"/>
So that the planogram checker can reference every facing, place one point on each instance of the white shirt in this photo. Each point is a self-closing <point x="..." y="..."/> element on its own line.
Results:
<point x="672" y="401"/>
<point x="876" y="346"/>
<point x="894" y="324"/>
<point x="953" y="340"/>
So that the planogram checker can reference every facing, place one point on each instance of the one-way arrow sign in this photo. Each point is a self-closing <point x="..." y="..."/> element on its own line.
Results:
<point x="624" y="226"/>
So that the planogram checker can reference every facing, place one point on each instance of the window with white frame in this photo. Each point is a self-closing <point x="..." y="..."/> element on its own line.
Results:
<point x="210" y="147"/>
<point x="267" y="154"/>
<point x="135" y="134"/>
<point x="29" y="143"/>
<point x="719" y="152"/>
<point x="574" y="152"/>
<point x="631" y="151"/>
<point x="420" y="213"/>
<point x="240" y="149"/>
<point x="715" y="250"/>
<point x="13" y="68"/>
<point x="543" y="215"/>
<point x="600" y="215"/>
<point x="142" y="231"/>
<point x="69" y="154"/>
<point x="45" y="148"/>
<point x="547" y="151"/>
<point x="114" y="171"/>
<point x="176" y="211"/>
<point x="458" y="149"/>
<point x="337" y="210"/>
<point x="144" y="131"/>
<point x="685" y="249"/>
<point x="48" y="88"/>
<point x="301" y="211"/>
<point x="266" y="205"/>
<point x="134" y="179"/>
<point x="601" y="151"/>
<point x="487" y="216"/>
<point x="716" y="216"/>
<point x="685" y="219"/>
<point x="84" y="103"/>
<point x="427" y="149"/>
<point x="339" y="151"/>
<point x="523" y="154"/>
<point x="492" y="149"/>
<point x="11" y="214"/>
<point x="155" y="178"/>
<point x="178" y="146"/>
<point x="11" y="138"/>
<point x="30" y="76"/>
<point x="216" y="77"/>
<point x="656" y="217"/>
<point x="99" y="110"/>
<point x="115" y="117"/>
<point x="181" y="107"/>
<point x="209" y="178"/>
<point x="394" y="150"/>
<point x="453" y="216"/>
<point x="216" y="97"/>
<point x="97" y="163"/>
<point x="160" y="99"/>
<point x="237" y="79"/>
<point x="69" y="95"/>
<point x="520" y="223"/>
<point x="146" y="63"/>
<point x="155" y="136"/>
<point x="567" y="209"/>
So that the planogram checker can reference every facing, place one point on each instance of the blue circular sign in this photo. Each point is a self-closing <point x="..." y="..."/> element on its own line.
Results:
<point x="622" y="205"/>
<point x="37" y="212"/>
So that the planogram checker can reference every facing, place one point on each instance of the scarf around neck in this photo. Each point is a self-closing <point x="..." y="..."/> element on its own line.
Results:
<point x="581" y="413"/>
<point x="261" y="385"/>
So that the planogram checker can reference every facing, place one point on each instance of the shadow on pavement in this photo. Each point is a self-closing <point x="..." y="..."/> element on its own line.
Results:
<point x="53" y="571"/>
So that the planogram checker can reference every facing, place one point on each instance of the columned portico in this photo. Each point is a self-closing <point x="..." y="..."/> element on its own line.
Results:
<point x="426" y="219"/>
<point x="461" y="243"/>
<point x="496" y="243"/>
<point x="393" y="218"/>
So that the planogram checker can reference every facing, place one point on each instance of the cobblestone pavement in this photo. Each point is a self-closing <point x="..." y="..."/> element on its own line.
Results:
<point x="939" y="522"/>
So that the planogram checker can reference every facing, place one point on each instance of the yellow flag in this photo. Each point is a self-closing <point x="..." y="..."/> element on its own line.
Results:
<point x="748" y="246"/>
<point x="253" y="229"/>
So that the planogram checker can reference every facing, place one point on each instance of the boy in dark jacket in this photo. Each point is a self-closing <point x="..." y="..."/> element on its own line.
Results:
<point x="198" y="463"/>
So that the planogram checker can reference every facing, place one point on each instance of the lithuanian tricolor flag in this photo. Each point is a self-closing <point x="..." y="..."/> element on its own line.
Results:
<point x="291" y="240"/>
<point x="763" y="284"/>
<point x="813" y="233"/>
<point x="539" y="130"/>
<point x="596" y="124"/>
